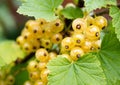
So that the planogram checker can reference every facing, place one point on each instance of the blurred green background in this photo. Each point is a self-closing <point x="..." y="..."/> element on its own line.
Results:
<point x="11" y="23"/>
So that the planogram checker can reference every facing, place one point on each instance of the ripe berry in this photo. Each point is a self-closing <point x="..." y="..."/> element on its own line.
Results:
<point x="76" y="53"/>
<point x="101" y="22"/>
<point x="89" y="20"/>
<point x="32" y="66"/>
<point x="42" y="55"/>
<point x="78" y="38"/>
<point x="27" y="47"/>
<point x="67" y="56"/>
<point x="42" y="65"/>
<point x="67" y="43"/>
<point x="92" y="33"/>
<point x="56" y="38"/>
<point x="20" y="40"/>
<point x="44" y="75"/>
<point x="38" y="82"/>
<point x="28" y="83"/>
<point x="10" y="80"/>
<point x="52" y="55"/>
<point x="79" y="25"/>
<point x="34" y="75"/>
<point x="57" y="26"/>
<point x="88" y="46"/>
<point x="41" y="22"/>
<point x="46" y="43"/>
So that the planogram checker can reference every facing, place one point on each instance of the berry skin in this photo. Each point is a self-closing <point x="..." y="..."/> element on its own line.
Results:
<point x="101" y="22"/>
<point x="27" y="35"/>
<point x="52" y="55"/>
<point x="44" y="74"/>
<point x="56" y="38"/>
<point x="67" y="43"/>
<point x="92" y="33"/>
<point x="47" y="31"/>
<point x="79" y="25"/>
<point x="20" y="40"/>
<point x="10" y="80"/>
<point x="41" y="22"/>
<point x="76" y="53"/>
<point x="28" y="83"/>
<point x="57" y="26"/>
<point x="32" y="66"/>
<point x="34" y="75"/>
<point x="27" y="47"/>
<point x="67" y="56"/>
<point x="42" y="65"/>
<point x="42" y="55"/>
<point x="88" y="46"/>
<point x="97" y="44"/>
<point x="46" y="43"/>
<point x="78" y="38"/>
<point x="31" y="23"/>
<point x="38" y="82"/>
<point x="89" y="20"/>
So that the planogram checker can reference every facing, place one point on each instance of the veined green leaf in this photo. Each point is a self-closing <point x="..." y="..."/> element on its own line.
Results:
<point x="9" y="52"/>
<point x="86" y="71"/>
<point x="115" y="14"/>
<point x="40" y="8"/>
<point x="109" y="56"/>
<point x="94" y="4"/>
<point x="72" y="12"/>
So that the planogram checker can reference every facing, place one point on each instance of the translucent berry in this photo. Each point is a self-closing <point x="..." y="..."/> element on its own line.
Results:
<point x="79" y="38"/>
<point x="46" y="43"/>
<point x="28" y="83"/>
<point x="79" y="25"/>
<point x="34" y="75"/>
<point x="10" y="80"/>
<point x="32" y="66"/>
<point x="67" y="43"/>
<point x="92" y="33"/>
<point x="42" y="65"/>
<point x="88" y="46"/>
<point x="52" y="55"/>
<point x="57" y="26"/>
<point x="67" y="56"/>
<point x="101" y="22"/>
<point x="56" y="38"/>
<point x="42" y="55"/>
<point x="89" y="20"/>
<point x="76" y="53"/>
<point x="39" y="82"/>
<point x="44" y="75"/>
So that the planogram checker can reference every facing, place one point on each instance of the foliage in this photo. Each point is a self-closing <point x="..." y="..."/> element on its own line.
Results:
<point x="9" y="52"/>
<point x="94" y="68"/>
<point x="45" y="8"/>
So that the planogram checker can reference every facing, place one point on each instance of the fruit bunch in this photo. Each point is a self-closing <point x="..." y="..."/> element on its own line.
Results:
<point x="84" y="38"/>
<point x="6" y="78"/>
<point x="39" y="36"/>
<point x="40" y="33"/>
<point x="37" y="68"/>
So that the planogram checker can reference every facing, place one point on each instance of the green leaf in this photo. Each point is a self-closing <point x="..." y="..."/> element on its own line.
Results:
<point x="109" y="56"/>
<point x="21" y="73"/>
<point x="115" y="14"/>
<point x="72" y="12"/>
<point x="40" y="8"/>
<point x="94" y="4"/>
<point x="9" y="52"/>
<point x="86" y="71"/>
